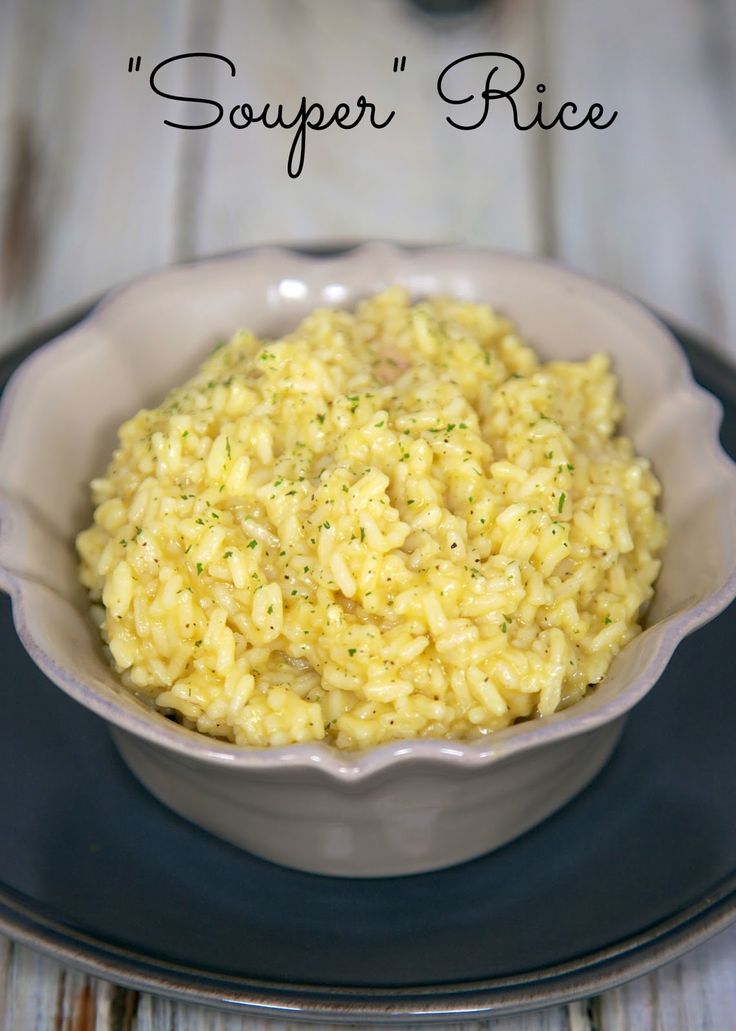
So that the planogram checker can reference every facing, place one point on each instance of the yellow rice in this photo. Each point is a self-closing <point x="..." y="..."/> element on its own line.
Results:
<point x="391" y="523"/>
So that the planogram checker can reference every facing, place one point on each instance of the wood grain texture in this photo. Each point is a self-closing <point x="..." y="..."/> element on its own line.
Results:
<point x="695" y="993"/>
<point x="650" y="204"/>
<point x="417" y="179"/>
<point x="87" y="193"/>
<point x="95" y="189"/>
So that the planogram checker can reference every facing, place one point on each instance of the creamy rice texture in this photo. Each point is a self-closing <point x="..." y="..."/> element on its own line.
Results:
<point x="391" y="523"/>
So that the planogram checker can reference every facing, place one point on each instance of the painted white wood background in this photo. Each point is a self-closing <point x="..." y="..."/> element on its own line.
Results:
<point x="95" y="189"/>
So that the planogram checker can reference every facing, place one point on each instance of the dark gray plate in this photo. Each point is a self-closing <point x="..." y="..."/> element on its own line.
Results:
<point x="637" y="869"/>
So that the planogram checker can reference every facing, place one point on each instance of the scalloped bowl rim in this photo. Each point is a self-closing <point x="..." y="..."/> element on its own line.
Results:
<point x="352" y="767"/>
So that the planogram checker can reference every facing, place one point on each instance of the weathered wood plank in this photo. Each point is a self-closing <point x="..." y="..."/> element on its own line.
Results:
<point x="417" y="179"/>
<point x="33" y="985"/>
<point x="695" y="993"/>
<point x="7" y="948"/>
<point x="650" y="203"/>
<point x="89" y="181"/>
<point x="39" y="994"/>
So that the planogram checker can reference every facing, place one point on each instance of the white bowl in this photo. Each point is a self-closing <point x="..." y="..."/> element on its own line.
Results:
<point x="402" y="807"/>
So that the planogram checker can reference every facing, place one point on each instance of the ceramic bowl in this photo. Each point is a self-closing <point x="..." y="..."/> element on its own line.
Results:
<point x="403" y="807"/>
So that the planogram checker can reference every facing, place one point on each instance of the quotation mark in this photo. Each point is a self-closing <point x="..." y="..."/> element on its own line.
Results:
<point x="137" y="64"/>
<point x="399" y="67"/>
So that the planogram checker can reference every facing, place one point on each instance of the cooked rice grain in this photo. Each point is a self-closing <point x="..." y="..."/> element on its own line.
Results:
<point x="390" y="523"/>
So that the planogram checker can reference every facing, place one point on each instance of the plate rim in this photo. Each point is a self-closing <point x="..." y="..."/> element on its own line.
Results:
<point x="585" y="975"/>
<point x="589" y="974"/>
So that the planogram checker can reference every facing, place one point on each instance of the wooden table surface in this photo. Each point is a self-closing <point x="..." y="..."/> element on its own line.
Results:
<point x="95" y="189"/>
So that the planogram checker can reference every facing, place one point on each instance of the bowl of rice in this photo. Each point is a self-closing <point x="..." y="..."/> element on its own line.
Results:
<point x="364" y="558"/>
